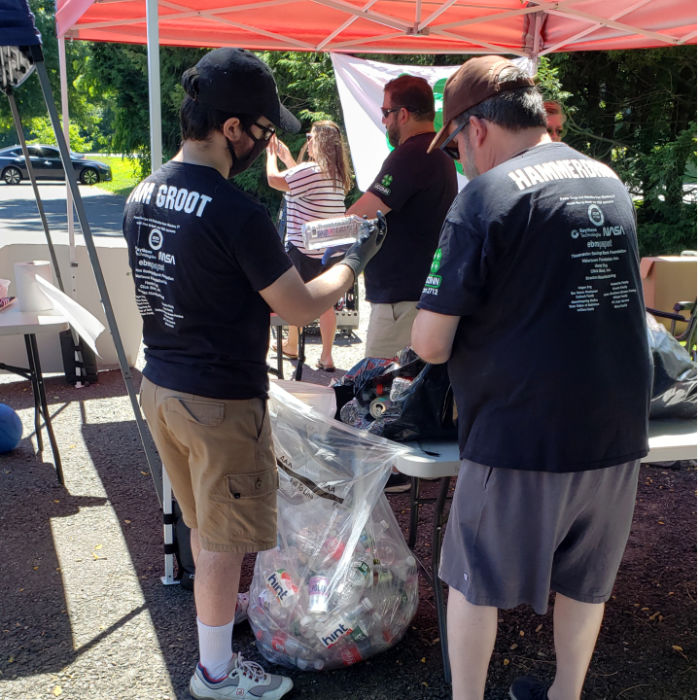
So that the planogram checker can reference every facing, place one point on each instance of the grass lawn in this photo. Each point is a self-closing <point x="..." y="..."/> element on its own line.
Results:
<point x="123" y="178"/>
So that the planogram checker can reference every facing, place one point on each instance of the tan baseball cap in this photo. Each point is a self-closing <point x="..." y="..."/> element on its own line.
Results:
<point x="475" y="81"/>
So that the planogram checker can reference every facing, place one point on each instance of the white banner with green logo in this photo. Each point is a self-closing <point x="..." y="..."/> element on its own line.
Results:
<point x="361" y="88"/>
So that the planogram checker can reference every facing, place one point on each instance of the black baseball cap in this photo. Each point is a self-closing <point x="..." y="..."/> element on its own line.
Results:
<point x="237" y="81"/>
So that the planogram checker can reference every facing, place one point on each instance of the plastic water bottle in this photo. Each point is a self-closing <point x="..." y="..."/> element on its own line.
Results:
<point x="353" y="413"/>
<point x="324" y="233"/>
<point x="399" y="387"/>
<point x="318" y="594"/>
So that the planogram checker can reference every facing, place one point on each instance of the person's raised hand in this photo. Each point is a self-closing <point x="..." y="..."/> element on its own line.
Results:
<point x="272" y="146"/>
<point x="372" y="235"/>
<point x="283" y="153"/>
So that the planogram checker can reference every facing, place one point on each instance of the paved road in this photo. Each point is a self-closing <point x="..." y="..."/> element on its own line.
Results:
<point x="20" y="220"/>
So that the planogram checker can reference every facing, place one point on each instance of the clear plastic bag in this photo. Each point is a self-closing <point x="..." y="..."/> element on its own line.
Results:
<point x="342" y="584"/>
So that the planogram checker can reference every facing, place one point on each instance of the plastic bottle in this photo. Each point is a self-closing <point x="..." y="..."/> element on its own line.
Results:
<point x="284" y="643"/>
<point x="318" y="594"/>
<point x="353" y="413"/>
<point x="399" y="387"/>
<point x="315" y="663"/>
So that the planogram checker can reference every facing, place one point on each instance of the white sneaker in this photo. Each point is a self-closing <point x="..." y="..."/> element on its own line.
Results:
<point x="245" y="679"/>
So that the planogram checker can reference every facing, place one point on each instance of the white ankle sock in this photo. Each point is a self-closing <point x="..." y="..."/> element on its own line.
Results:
<point x="215" y="650"/>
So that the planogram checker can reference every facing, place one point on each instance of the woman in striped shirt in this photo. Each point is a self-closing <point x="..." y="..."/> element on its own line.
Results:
<point x="314" y="189"/>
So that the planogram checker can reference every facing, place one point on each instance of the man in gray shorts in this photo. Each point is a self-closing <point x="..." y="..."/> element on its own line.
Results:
<point x="534" y="299"/>
<point x="208" y="268"/>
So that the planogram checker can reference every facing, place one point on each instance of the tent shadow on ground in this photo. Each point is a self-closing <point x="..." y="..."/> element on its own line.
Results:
<point x="30" y="499"/>
<point x="22" y="397"/>
<point x="123" y="473"/>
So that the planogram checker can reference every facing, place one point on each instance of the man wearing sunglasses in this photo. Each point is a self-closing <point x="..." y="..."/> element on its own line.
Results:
<point x="414" y="190"/>
<point x="208" y="267"/>
<point x="535" y="301"/>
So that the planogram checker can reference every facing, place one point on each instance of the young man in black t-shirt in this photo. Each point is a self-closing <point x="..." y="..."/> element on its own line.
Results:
<point x="534" y="299"/>
<point x="208" y="268"/>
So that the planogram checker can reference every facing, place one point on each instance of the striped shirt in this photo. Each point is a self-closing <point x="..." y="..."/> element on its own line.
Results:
<point x="311" y="196"/>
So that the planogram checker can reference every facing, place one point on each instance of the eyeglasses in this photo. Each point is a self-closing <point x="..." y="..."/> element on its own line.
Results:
<point x="268" y="132"/>
<point x="558" y="131"/>
<point x="386" y="112"/>
<point x="452" y="151"/>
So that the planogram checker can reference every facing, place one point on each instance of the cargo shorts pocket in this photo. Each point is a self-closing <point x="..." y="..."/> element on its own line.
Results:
<point x="209" y="414"/>
<point x="242" y="487"/>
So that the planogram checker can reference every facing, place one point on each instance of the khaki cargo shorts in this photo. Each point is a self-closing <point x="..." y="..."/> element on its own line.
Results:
<point x="389" y="328"/>
<point x="220" y="460"/>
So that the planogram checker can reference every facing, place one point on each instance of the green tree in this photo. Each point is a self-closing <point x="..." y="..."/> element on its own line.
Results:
<point x="85" y="113"/>
<point x="636" y="111"/>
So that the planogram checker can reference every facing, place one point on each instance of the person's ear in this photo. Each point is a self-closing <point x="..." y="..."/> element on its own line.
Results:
<point x="479" y="128"/>
<point x="232" y="129"/>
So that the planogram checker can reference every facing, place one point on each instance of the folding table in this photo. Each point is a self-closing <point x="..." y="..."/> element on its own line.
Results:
<point x="29" y="323"/>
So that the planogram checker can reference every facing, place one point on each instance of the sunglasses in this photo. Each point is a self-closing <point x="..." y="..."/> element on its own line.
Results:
<point x="309" y="136"/>
<point x="387" y="111"/>
<point x="452" y="151"/>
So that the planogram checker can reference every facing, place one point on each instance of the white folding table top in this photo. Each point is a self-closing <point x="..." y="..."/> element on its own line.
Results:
<point x="669" y="440"/>
<point x="16" y="322"/>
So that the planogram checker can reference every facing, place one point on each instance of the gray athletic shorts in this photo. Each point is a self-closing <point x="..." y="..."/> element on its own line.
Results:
<point x="514" y="535"/>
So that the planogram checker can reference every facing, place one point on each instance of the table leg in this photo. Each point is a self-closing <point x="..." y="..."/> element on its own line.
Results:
<point x="437" y="583"/>
<point x="40" y="403"/>
<point x="302" y="354"/>
<point x="280" y="364"/>
<point x="413" y="524"/>
<point x="35" y="392"/>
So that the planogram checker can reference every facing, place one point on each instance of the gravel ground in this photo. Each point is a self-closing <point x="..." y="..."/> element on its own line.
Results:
<point x="84" y="613"/>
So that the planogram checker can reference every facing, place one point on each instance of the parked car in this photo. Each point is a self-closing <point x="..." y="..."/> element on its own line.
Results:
<point x="47" y="165"/>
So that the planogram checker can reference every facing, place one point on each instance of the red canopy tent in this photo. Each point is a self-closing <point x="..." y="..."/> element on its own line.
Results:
<point x="390" y="26"/>
<point x="513" y="27"/>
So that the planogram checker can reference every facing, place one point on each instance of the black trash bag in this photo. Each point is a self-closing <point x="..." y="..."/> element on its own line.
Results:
<point x="675" y="388"/>
<point x="426" y="408"/>
<point x="402" y="399"/>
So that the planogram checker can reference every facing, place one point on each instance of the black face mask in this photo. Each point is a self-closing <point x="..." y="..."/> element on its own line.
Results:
<point x="238" y="165"/>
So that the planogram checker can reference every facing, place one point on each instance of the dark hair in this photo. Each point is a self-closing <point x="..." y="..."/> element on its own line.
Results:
<point x="197" y="121"/>
<point x="514" y="109"/>
<point x="331" y="153"/>
<point x="413" y="93"/>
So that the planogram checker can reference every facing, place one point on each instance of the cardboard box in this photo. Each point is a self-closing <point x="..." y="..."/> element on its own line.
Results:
<point x="667" y="280"/>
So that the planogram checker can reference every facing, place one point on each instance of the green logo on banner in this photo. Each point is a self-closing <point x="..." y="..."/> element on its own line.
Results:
<point x="438" y="95"/>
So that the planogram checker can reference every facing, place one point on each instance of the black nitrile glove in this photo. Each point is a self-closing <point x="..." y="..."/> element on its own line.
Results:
<point x="335" y="251"/>
<point x="368" y="244"/>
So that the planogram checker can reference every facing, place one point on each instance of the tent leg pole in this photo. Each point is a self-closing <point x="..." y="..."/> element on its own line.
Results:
<point x="149" y="449"/>
<point x="168" y="578"/>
